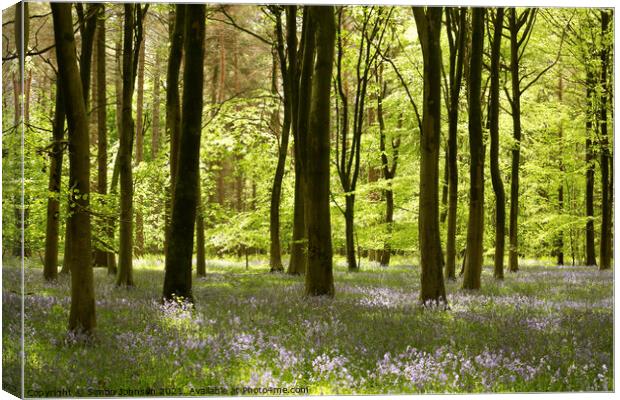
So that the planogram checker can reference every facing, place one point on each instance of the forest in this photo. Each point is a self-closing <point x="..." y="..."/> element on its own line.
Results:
<point x="300" y="199"/>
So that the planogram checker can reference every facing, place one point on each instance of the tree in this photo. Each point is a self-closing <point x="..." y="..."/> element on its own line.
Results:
<point x="520" y="25"/>
<point x="456" y="20"/>
<point x="134" y="16"/>
<point x="428" y="24"/>
<point x="173" y="104"/>
<point x="606" y="160"/>
<point x="388" y="167"/>
<point x="475" y="226"/>
<point x="178" y="275"/>
<point x="87" y="25"/>
<point x="300" y="100"/>
<point x="82" y="314"/>
<point x="347" y="152"/>
<point x="496" y="178"/>
<point x="287" y="72"/>
<point x="102" y="256"/>
<point x="319" y="275"/>
<point x="139" y="157"/>
<point x="50" y="268"/>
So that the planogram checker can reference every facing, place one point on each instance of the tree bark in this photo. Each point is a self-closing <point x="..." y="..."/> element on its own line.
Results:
<point x="496" y="178"/>
<point x="606" y="206"/>
<point x="173" y="104"/>
<point x="178" y="275"/>
<point x="139" y="245"/>
<point x="428" y="24"/>
<point x="133" y="19"/>
<point x="275" y="260"/>
<point x="82" y="313"/>
<point x="475" y="227"/>
<point x="300" y="99"/>
<point x="201" y="262"/>
<point x="457" y="56"/>
<point x="590" y="250"/>
<point x="50" y="269"/>
<point x="101" y="256"/>
<point x="560" y="240"/>
<point x="513" y="259"/>
<point x="319" y="275"/>
<point x="156" y="103"/>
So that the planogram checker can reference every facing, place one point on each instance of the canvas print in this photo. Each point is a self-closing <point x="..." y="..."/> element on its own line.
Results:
<point x="295" y="200"/>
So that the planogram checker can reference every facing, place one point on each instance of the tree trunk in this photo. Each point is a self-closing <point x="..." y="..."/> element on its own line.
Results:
<point x="275" y="260"/>
<point x="590" y="250"/>
<point x="300" y="96"/>
<point x="87" y="31"/>
<point x="82" y="313"/>
<point x="50" y="268"/>
<point x="319" y="275"/>
<point x="156" y="102"/>
<point x="496" y="178"/>
<point x="173" y="105"/>
<point x="349" y="227"/>
<point x="560" y="242"/>
<point x="428" y="24"/>
<point x="456" y="76"/>
<point x="125" y="261"/>
<point x="475" y="227"/>
<point x="513" y="259"/>
<point x="606" y="206"/>
<point x="201" y="262"/>
<point x="139" y="245"/>
<point x="101" y="256"/>
<point x="388" y="171"/>
<point x="178" y="275"/>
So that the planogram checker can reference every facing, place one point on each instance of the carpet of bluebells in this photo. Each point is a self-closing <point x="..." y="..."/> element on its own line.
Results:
<point x="545" y="328"/>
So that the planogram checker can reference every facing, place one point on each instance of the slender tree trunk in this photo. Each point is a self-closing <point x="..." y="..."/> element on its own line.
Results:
<point x="496" y="178"/>
<point x="444" y="187"/>
<point x="349" y="228"/>
<point x="173" y="107"/>
<point x="319" y="275"/>
<point x="139" y="245"/>
<point x="456" y="76"/>
<point x="300" y="96"/>
<point x="513" y="259"/>
<point x="388" y="171"/>
<point x="82" y="314"/>
<point x="475" y="227"/>
<point x="606" y="245"/>
<point x="156" y="103"/>
<point x="178" y="275"/>
<point x="50" y="270"/>
<point x="560" y="242"/>
<point x="428" y="24"/>
<point x="201" y="262"/>
<point x="101" y="256"/>
<point x="274" y="220"/>
<point x="590" y="250"/>
<point x="125" y="261"/>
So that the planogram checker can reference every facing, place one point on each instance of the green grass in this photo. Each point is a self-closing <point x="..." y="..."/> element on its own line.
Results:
<point x="542" y="329"/>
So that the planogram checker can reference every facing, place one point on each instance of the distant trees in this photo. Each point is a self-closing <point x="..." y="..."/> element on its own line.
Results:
<point x="82" y="314"/>
<point x="178" y="275"/>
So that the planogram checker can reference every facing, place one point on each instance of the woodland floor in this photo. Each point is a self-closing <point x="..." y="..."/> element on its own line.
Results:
<point x="543" y="329"/>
